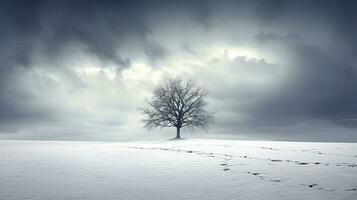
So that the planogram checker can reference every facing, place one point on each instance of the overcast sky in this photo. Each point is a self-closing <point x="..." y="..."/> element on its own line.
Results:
<point x="275" y="70"/>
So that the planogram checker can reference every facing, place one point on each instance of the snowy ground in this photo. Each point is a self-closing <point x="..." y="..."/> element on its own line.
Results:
<point x="188" y="169"/>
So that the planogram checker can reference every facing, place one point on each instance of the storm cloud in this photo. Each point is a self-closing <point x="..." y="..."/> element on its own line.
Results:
<point x="276" y="69"/>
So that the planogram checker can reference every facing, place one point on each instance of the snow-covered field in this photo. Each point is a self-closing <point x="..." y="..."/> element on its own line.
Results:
<point x="187" y="169"/>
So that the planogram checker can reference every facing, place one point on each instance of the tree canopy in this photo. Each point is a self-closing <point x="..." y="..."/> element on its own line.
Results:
<point x="177" y="103"/>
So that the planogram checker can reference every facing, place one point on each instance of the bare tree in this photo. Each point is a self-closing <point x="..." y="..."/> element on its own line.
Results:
<point x="177" y="103"/>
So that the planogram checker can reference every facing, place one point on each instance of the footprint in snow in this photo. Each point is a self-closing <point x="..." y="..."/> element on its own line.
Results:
<point x="318" y="188"/>
<point x="253" y="173"/>
<point x="301" y="163"/>
<point x="352" y="190"/>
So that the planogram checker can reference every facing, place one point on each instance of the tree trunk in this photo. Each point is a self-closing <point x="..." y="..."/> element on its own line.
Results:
<point x="178" y="133"/>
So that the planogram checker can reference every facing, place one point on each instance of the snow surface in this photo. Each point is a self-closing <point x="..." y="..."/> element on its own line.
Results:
<point x="187" y="169"/>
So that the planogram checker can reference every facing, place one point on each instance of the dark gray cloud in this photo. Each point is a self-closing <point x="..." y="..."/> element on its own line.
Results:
<point x="46" y="28"/>
<point x="320" y="90"/>
<point x="312" y="71"/>
<point x="324" y="78"/>
<point x="320" y="87"/>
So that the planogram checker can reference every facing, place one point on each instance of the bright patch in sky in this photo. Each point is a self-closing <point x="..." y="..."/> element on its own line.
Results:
<point x="232" y="52"/>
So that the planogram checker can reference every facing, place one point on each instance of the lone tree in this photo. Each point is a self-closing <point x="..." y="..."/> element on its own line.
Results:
<point x="177" y="103"/>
